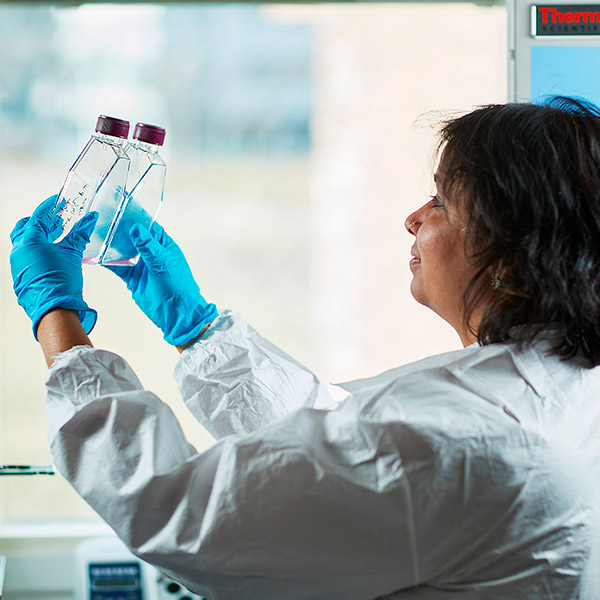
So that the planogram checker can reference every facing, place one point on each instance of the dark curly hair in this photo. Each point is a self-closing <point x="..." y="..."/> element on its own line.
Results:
<point x="528" y="177"/>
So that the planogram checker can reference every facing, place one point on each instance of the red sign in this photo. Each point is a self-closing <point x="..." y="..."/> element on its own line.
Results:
<point x="565" y="20"/>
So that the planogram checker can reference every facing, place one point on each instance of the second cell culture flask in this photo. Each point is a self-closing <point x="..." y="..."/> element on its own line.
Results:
<point x="143" y="196"/>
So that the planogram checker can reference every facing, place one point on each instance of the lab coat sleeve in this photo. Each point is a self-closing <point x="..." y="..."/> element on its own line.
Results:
<point x="233" y="380"/>
<point x="317" y="505"/>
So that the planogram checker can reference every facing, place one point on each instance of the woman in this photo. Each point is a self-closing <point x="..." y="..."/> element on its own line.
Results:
<point x="471" y="474"/>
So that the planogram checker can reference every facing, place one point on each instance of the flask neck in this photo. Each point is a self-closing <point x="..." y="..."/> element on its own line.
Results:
<point x="110" y="139"/>
<point x="146" y="147"/>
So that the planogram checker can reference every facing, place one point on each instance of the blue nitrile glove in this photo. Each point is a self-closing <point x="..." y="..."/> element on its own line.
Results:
<point x="163" y="286"/>
<point x="47" y="275"/>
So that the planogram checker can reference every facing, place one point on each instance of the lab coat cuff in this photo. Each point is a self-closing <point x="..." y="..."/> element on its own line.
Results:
<point x="75" y="380"/>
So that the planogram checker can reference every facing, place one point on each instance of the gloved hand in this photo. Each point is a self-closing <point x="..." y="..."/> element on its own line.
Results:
<point x="163" y="286"/>
<point x="47" y="275"/>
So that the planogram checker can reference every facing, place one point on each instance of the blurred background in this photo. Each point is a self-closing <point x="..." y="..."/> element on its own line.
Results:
<point x="299" y="137"/>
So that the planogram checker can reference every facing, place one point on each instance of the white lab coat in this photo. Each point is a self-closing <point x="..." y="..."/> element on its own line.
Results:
<point x="472" y="474"/>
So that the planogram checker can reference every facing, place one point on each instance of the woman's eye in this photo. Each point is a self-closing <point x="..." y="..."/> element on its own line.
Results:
<point x="437" y="202"/>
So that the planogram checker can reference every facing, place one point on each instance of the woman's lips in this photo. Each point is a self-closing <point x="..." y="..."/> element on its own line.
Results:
<point x="415" y="260"/>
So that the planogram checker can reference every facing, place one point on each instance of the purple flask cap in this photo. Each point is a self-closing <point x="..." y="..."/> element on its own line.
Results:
<point x="151" y="134"/>
<point x="112" y="126"/>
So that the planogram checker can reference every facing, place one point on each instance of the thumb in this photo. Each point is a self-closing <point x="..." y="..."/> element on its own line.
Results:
<point x="151" y="252"/>
<point x="18" y="229"/>
<point x="81" y="233"/>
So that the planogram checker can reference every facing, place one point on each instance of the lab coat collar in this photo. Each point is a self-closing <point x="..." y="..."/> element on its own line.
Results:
<point x="515" y="333"/>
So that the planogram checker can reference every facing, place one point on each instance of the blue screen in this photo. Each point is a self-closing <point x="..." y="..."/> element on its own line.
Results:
<point x="565" y="70"/>
<point x="115" y="581"/>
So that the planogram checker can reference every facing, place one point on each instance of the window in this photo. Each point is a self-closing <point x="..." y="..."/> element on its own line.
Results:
<point x="293" y="159"/>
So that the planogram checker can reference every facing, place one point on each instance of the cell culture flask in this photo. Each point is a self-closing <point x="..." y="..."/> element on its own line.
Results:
<point x="144" y="193"/>
<point x="96" y="181"/>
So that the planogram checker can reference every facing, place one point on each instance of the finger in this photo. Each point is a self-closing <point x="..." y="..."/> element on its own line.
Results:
<point x="42" y="216"/>
<point x="18" y="229"/>
<point x="149" y="248"/>
<point x="79" y="236"/>
<point x="59" y="206"/>
<point x="160" y="234"/>
<point x="57" y="219"/>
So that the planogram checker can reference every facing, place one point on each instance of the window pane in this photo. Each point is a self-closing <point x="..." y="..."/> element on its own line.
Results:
<point x="292" y="158"/>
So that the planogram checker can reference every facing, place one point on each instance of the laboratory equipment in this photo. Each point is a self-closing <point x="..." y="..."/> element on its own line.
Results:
<point x="143" y="195"/>
<point x="2" y="573"/>
<point x="27" y="470"/>
<point x="169" y="589"/>
<point x="96" y="182"/>
<point x="554" y="49"/>
<point x="105" y="569"/>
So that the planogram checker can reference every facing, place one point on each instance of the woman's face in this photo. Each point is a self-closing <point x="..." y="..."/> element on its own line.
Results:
<point x="439" y="265"/>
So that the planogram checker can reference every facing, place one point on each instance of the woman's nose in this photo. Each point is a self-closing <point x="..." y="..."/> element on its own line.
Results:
<point x="412" y="223"/>
<point x="415" y="219"/>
